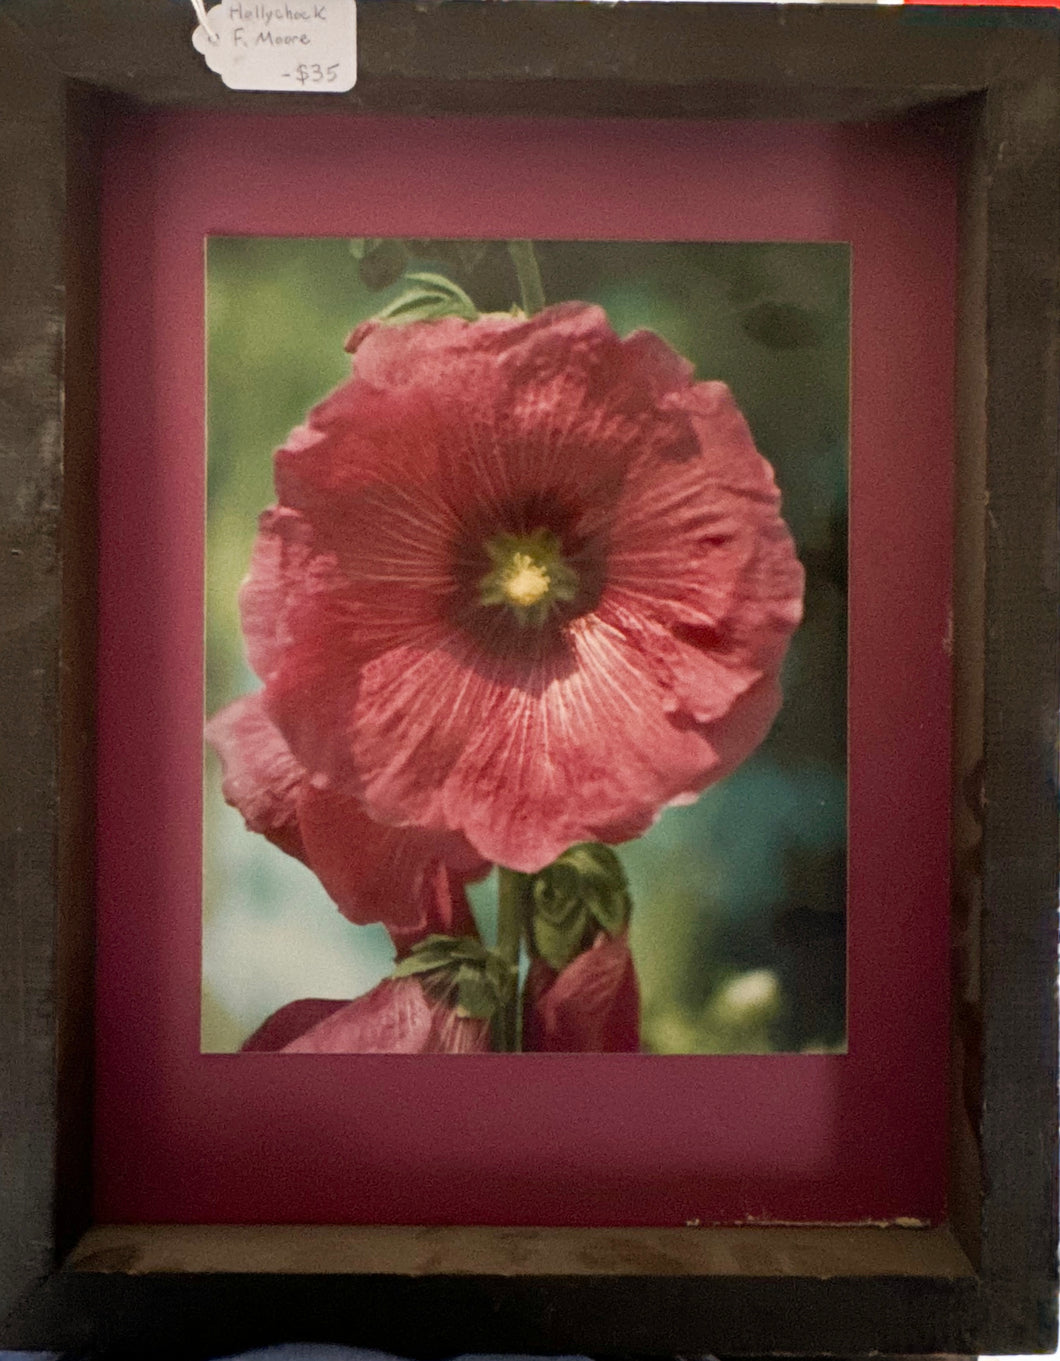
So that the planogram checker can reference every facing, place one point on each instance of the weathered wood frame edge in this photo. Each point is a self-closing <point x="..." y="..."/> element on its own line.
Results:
<point x="994" y="75"/>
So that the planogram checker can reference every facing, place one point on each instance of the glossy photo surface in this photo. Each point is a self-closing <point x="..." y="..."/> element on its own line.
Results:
<point x="526" y="623"/>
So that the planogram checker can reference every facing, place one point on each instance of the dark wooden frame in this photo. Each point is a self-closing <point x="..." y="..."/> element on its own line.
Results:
<point x="986" y="1282"/>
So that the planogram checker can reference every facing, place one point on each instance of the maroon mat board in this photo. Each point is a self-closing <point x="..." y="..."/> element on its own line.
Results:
<point x="548" y="1139"/>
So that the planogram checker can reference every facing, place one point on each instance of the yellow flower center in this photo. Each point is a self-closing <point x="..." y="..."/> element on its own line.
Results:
<point x="525" y="581"/>
<point x="528" y="574"/>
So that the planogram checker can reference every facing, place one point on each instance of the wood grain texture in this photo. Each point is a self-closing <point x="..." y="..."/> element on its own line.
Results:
<point x="965" y="1188"/>
<point x="1021" y="698"/>
<point x="32" y="324"/>
<point x="199" y="1298"/>
<point x="78" y="545"/>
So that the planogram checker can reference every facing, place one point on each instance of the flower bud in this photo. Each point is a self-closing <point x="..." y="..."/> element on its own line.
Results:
<point x="581" y="893"/>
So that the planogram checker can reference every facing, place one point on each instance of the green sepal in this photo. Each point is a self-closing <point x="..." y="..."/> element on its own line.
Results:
<point x="430" y="297"/>
<point x="475" y="994"/>
<point x="582" y="892"/>
<point x="475" y="981"/>
<point x="439" y="952"/>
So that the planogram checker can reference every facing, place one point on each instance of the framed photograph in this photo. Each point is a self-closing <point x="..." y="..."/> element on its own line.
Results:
<point x="556" y="685"/>
<point x="654" y="922"/>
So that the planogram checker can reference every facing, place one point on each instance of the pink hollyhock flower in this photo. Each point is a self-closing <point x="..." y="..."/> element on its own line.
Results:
<point x="590" y="1007"/>
<point x="525" y="581"/>
<point x="398" y="1016"/>
<point x="373" y="872"/>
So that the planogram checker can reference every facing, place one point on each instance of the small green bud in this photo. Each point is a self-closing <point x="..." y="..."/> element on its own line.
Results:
<point x="582" y="892"/>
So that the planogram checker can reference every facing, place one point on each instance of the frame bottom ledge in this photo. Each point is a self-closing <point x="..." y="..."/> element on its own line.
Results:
<point x="786" y="1251"/>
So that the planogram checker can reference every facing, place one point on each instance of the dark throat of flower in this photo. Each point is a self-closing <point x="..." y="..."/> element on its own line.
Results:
<point x="528" y="576"/>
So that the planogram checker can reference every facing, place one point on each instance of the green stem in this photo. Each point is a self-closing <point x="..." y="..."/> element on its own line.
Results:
<point x="511" y="893"/>
<point x="528" y="274"/>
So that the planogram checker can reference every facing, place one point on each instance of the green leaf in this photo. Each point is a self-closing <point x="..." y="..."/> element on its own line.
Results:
<point x="430" y="297"/>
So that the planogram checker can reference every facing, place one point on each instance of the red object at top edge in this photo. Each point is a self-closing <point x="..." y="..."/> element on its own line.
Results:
<point x="1009" y="4"/>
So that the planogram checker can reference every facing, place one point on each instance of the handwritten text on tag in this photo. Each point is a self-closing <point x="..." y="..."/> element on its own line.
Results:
<point x="308" y="45"/>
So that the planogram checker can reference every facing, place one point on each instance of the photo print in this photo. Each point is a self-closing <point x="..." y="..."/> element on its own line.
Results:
<point x="526" y="646"/>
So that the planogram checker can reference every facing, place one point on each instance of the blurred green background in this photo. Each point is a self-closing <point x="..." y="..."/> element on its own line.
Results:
<point x="738" y="928"/>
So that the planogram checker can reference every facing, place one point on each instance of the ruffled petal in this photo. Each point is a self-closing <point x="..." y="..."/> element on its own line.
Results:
<point x="702" y="570"/>
<point x="554" y="413"/>
<point x="570" y="342"/>
<point x="592" y="1006"/>
<point x="447" y="419"/>
<point x="388" y="356"/>
<point x="389" y="874"/>
<point x="260" y="776"/>
<point x="279" y="568"/>
<point x="525" y="766"/>
<point x="311" y="693"/>
<point x="396" y="1017"/>
<point x="380" y="462"/>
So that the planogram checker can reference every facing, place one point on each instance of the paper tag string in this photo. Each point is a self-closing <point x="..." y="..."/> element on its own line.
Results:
<point x="199" y="7"/>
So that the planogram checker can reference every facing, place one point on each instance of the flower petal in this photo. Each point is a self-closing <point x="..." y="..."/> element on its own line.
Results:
<point x="699" y="552"/>
<point x="592" y="1006"/>
<point x="524" y="765"/>
<point x="278" y="567"/>
<point x="388" y="356"/>
<point x="396" y="1017"/>
<point x="261" y="777"/>
<point x="446" y="910"/>
<point x="446" y="416"/>
<point x="388" y="874"/>
<point x="285" y="1025"/>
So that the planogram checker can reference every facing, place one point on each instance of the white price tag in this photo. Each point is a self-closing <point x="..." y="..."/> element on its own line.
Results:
<point x="300" y="45"/>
